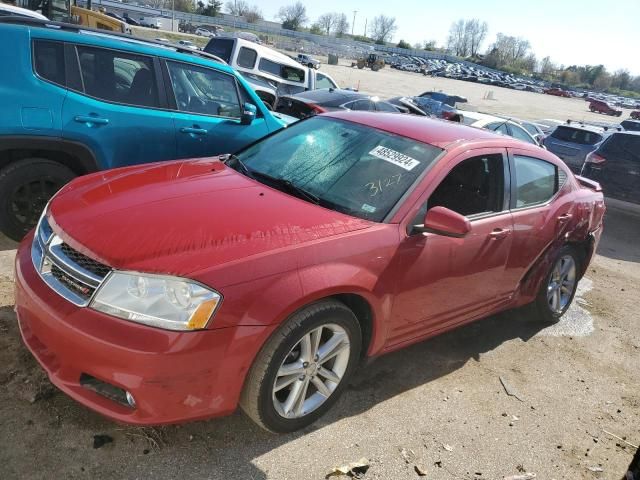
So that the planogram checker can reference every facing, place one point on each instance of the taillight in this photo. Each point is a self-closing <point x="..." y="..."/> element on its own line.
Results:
<point x="316" y="108"/>
<point x="594" y="159"/>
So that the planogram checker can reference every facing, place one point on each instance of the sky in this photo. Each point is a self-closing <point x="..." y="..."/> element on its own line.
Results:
<point x="571" y="32"/>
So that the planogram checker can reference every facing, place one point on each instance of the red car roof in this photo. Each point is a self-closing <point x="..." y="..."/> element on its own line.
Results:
<point x="428" y="130"/>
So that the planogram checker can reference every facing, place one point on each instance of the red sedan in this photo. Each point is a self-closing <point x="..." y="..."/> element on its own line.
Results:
<point x="179" y="290"/>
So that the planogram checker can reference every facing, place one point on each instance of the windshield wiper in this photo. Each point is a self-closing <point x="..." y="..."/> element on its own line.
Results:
<point x="288" y="185"/>
<point x="237" y="162"/>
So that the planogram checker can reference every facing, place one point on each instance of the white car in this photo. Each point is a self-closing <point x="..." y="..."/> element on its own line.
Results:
<point x="203" y="32"/>
<point x="498" y="125"/>
<point x="11" y="11"/>
<point x="188" y="44"/>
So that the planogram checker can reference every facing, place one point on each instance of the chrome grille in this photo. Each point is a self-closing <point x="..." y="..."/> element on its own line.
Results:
<point x="68" y="272"/>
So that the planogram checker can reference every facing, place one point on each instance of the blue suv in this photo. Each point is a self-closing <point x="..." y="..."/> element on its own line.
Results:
<point x="76" y="100"/>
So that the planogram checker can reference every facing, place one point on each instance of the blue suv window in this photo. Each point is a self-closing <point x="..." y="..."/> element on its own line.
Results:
<point x="48" y="61"/>
<point x="204" y="91"/>
<point x="118" y="77"/>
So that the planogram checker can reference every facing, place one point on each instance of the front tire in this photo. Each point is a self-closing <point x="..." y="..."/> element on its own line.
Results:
<point x="303" y="368"/>
<point x="559" y="287"/>
<point x="25" y="188"/>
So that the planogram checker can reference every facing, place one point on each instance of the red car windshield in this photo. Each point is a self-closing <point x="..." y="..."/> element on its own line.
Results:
<point x="349" y="167"/>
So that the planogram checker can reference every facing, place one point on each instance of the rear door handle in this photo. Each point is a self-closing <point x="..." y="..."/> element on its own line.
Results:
<point x="565" y="218"/>
<point x="500" y="233"/>
<point x="194" y="130"/>
<point x="91" y="119"/>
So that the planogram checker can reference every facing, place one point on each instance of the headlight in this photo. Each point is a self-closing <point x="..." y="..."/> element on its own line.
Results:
<point x="165" y="302"/>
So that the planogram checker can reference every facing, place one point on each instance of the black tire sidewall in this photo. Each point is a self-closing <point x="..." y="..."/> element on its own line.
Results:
<point x="340" y="316"/>
<point x="20" y="173"/>
<point x="542" y="304"/>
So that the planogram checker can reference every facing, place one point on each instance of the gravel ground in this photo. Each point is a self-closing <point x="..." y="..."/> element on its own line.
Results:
<point x="439" y="405"/>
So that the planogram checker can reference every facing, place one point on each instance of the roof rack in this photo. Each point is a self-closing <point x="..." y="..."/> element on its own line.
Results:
<point x="70" y="27"/>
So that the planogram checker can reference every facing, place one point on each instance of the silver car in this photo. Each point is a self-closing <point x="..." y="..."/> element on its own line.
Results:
<point x="573" y="142"/>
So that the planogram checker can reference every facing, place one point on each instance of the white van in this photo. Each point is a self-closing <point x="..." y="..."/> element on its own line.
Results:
<point x="262" y="63"/>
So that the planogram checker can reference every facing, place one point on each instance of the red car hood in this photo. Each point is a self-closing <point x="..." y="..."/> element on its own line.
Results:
<point x="181" y="217"/>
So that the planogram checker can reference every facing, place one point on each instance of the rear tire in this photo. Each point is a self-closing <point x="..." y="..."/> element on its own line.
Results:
<point x="25" y="188"/>
<point x="268" y="395"/>
<point x="559" y="286"/>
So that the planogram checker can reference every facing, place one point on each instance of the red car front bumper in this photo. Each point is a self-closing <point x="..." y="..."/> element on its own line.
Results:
<point x="173" y="376"/>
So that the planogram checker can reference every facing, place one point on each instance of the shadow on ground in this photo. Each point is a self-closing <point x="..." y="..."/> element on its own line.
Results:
<point x="225" y="446"/>
<point x="7" y="244"/>
<point x="621" y="237"/>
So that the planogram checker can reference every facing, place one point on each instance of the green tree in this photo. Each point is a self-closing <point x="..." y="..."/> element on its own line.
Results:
<point x="403" y="44"/>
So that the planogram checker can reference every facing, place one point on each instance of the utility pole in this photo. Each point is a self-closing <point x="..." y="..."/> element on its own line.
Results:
<point x="365" y="27"/>
<point x="353" y="25"/>
<point x="173" y="15"/>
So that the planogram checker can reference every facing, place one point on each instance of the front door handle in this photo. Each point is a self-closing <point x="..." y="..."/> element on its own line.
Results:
<point x="499" y="233"/>
<point x="565" y="218"/>
<point x="194" y="130"/>
<point x="88" y="119"/>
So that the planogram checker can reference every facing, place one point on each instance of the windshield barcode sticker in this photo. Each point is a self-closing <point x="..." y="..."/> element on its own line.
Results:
<point x="397" y="158"/>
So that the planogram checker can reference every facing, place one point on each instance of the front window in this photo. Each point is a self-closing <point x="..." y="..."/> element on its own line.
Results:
<point x="322" y="81"/>
<point x="348" y="167"/>
<point x="204" y="91"/>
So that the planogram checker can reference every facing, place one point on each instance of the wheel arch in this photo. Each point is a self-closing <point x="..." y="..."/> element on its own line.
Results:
<point x="75" y="156"/>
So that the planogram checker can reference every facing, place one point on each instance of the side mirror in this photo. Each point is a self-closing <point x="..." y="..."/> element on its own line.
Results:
<point x="249" y="111"/>
<point x="442" y="221"/>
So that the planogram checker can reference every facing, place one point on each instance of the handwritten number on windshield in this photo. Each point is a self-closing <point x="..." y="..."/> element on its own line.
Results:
<point x="379" y="185"/>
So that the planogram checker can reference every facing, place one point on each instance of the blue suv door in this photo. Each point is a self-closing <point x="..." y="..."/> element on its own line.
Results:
<point x="208" y="106"/>
<point x="118" y="108"/>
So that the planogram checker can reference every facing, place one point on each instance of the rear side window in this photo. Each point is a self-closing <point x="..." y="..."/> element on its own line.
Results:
<point x="220" y="47"/>
<point x="48" y="61"/>
<point x="282" y="71"/>
<point x="520" y="134"/>
<point x="247" y="57"/>
<point x="118" y="77"/>
<point x="625" y="146"/>
<point x="631" y="125"/>
<point x="536" y="181"/>
<point x="576" y="135"/>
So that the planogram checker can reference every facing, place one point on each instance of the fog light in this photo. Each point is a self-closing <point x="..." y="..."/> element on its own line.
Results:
<point x="130" y="400"/>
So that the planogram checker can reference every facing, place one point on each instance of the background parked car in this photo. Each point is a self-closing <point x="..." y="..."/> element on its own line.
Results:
<point x="631" y="125"/>
<point x="308" y="60"/>
<point x="13" y="11"/>
<point x="599" y="106"/>
<point x="615" y="164"/>
<point x="558" y="92"/>
<point x="188" y="44"/>
<point x="256" y="61"/>
<point x="635" y="115"/>
<point x="203" y="32"/>
<point x="310" y="103"/>
<point x="498" y="125"/>
<point x="573" y="142"/>
<point x="103" y="107"/>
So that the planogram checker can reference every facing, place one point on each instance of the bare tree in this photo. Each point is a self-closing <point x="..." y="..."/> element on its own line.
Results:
<point x="253" y="14"/>
<point x="342" y="25"/>
<point x="327" y="21"/>
<point x="466" y="37"/>
<point x="237" y="7"/>
<point x="383" y="28"/>
<point x="547" y="67"/>
<point x="476" y="34"/>
<point x="293" y="16"/>
<point x="457" y="40"/>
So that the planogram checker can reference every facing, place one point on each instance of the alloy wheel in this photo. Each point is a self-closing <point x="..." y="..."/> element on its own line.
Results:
<point x="562" y="282"/>
<point x="311" y="371"/>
